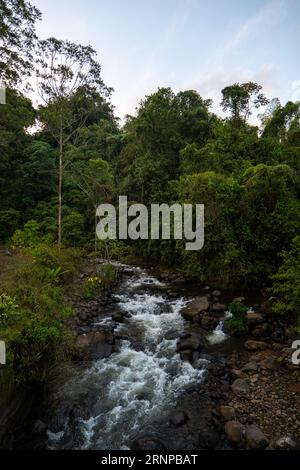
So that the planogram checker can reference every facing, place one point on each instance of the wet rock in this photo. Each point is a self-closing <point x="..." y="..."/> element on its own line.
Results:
<point x="251" y="345"/>
<point x="250" y="367"/>
<point x="179" y="418"/>
<point x="191" y="342"/>
<point x="240" y="387"/>
<point x="235" y="433"/>
<point x="188" y="356"/>
<point x="118" y="317"/>
<point x="218" y="307"/>
<point x="208" y="439"/>
<point x="94" y="345"/>
<point x="148" y="443"/>
<point x="227" y="413"/>
<point x="216" y="293"/>
<point x="254" y="318"/>
<point x="199" y="304"/>
<point x="255" y="438"/>
<point x="208" y="321"/>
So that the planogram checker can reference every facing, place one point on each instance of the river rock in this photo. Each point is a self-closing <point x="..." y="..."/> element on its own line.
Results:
<point x="216" y="293"/>
<point x="227" y="413"/>
<point x="254" y="318"/>
<point x="218" y="307"/>
<point x="255" y="438"/>
<point x="270" y="363"/>
<point x="240" y="387"/>
<point x="179" y="418"/>
<point x="250" y="367"/>
<point x="208" y="321"/>
<point x="191" y="342"/>
<point x="251" y="345"/>
<point x="94" y="345"/>
<point x="235" y="433"/>
<point x="199" y="304"/>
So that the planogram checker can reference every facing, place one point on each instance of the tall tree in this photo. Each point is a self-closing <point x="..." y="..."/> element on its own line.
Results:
<point x="241" y="99"/>
<point x="67" y="73"/>
<point x="17" y="39"/>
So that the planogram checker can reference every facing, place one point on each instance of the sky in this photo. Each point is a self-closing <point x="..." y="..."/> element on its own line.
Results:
<point x="202" y="45"/>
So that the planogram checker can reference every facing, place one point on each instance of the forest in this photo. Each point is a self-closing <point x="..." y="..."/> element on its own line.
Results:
<point x="62" y="157"/>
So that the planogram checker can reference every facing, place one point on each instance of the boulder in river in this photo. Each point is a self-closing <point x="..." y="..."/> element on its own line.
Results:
<point x="218" y="307"/>
<point x="191" y="342"/>
<point x="199" y="304"/>
<point x="254" y="318"/>
<point x="94" y="345"/>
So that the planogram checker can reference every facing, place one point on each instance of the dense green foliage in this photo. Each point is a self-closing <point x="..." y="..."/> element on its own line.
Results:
<point x="286" y="286"/>
<point x="175" y="149"/>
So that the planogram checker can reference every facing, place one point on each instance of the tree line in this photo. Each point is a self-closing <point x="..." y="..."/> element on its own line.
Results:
<point x="174" y="149"/>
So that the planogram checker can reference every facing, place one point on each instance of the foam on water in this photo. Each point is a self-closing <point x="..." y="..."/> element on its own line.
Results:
<point x="219" y="335"/>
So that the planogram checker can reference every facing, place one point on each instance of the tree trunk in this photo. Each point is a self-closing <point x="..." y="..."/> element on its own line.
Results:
<point x="60" y="180"/>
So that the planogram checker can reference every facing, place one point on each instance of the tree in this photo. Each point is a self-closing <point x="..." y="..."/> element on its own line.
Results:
<point x="17" y="39"/>
<point x="95" y="180"/>
<point x="241" y="99"/>
<point x="67" y="74"/>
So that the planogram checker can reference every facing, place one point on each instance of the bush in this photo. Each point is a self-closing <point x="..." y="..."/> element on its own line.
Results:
<point x="237" y="323"/>
<point x="91" y="286"/>
<point x="8" y="310"/>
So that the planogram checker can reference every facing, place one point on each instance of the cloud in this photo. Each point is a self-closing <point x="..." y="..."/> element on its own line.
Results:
<point x="266" y="17"/>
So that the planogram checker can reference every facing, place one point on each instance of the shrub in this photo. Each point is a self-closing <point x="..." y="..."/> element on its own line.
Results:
<point x="91" y="286"/>
<point x="237" y="323"/>
<point x="8" y="310"/>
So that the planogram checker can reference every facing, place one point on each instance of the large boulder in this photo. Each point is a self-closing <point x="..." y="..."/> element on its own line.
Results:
<point x="208" y="321"/>
<point x="235" y="433"/>
<point x="251" y="345"/>
<point x="199" y="304"/>
<point x="191" y="342"/>
<point x="255" y="438"/>
<point x="94" y="345"/>
<point x="218" y="307"/>
<point x="240" y="387"/>
<point x="254" y="318"/>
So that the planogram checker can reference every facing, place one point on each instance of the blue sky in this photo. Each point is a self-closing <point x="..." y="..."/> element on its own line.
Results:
<point x="185" y="44"/>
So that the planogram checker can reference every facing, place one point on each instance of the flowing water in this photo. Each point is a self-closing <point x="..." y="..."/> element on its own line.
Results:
<point x="129" y="393"/>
